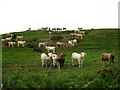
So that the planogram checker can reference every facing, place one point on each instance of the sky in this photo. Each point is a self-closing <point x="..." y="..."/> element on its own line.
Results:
<point x="19" y="15"/>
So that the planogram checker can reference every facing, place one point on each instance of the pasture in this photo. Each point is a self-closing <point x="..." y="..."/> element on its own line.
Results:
<point x="21" y="67"/>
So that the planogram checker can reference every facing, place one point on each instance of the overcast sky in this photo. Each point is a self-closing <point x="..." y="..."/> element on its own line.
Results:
<point x="18" y="15"/>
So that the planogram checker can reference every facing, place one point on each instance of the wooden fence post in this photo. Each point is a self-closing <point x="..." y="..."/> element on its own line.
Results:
<point x="58" y="70"/>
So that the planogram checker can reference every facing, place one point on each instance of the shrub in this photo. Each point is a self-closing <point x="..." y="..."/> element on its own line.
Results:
<point x="56" y="38"/>
<point x="37" y="49"/>
<point x="31" y="45"/>
<point x="34" y="39"/>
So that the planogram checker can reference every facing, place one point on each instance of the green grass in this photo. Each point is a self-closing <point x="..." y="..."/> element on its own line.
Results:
<point x="22" y="66"/>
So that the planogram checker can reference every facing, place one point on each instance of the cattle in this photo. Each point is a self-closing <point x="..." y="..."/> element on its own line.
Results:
<point x="54" y="28"/>
<point x="54" y="59"/>
<point x="77" y="31"/>
<point x="61" y="59"/>
<point x="72" y="35"/>
<point x="82" y="32"/>
<point x="79" y="36"/>
<point x="11" y="44"/>
<point x="21" y="43"/>
<point x="8" y="39"/>
<point x="64" y="28"/>
<point x="45" y="59"/>
<point x="19" y="37"/>
<point x="60" y="44"/>
<point x="78" y="57"/>
<point x="108" y="57"/>
<point x="59" y="28"/>
<point x="3" y="40"/>
<point x="80" y="28"/>
<point x="74" y="41"/>
<point x="14" y="36"/>
<point x="71" y="43"/>
<point x="42" y="44"/>
<point x="44" y="28"/>
<point x="50" y="48"/>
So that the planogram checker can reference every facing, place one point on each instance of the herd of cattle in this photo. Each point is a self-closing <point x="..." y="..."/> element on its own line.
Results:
<point x="10" y="43"/>
<point x="52" y="59"/>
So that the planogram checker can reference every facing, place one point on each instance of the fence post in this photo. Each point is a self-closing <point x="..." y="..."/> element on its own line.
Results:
<point x="58" y="70"/>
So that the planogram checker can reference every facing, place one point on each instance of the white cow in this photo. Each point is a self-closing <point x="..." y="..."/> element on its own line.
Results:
<point x="71" y="43"/>
<point x="79" y="35"/>
<point x="54" y="59"/>
<point x="45" y="59"/>
<point x="11" y="44"/>
<point x="8" y="39"/>
<point x="74" y="41"/>
<point x="42" y="44"/>
<point x="50" y="48"/>
<point x="78" y="57"/>
<point x="21" y="43"/>
<point x="19" y="37"/>
<point x="3" y="40"/>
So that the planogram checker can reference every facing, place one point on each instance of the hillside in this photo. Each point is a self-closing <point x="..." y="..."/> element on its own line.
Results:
<point x="22" y="66"/>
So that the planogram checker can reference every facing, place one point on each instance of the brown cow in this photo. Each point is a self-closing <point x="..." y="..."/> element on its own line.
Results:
<point x="44" y="28"/>
<point x="64" y="28"/>
<point x="60" y="44"/>
<point x="108" y="57"/>
<point x="59" y="28"/>
<point x="80" y="28"/>
<point x="61" y="59"/>
<point x="72" y="35"/>
<point x="54" y="28"/>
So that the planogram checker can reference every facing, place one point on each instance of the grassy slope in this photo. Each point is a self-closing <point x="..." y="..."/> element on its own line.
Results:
<point x="22" y="66"/>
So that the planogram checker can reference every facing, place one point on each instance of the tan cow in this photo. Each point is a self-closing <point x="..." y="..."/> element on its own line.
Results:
<point x="44" y="28"/>
<point x="60" y="44"/>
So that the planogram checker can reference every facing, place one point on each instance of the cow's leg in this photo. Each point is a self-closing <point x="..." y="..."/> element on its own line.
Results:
<point x="18" y="45"/>
<point x="42" y="63"/>
<point x="54" y="63"/>
<point x="8" y="45"/>
<point x="54" y="51"/>
<point x="81" y="36"/>
<point x="72" y="62"/>
<point x="46" y="64"/>
<point x="79" y="63"/>
<point x="23" y="45"/>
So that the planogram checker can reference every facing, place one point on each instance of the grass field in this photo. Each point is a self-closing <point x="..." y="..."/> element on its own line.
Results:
<point x="21" y="67"/>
